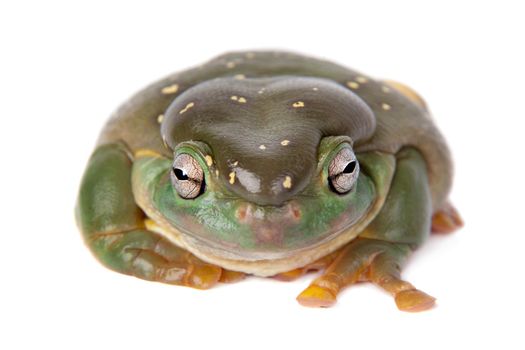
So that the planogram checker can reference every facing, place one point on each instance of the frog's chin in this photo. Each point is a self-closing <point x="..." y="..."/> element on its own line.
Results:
<point x="264" y="263"/>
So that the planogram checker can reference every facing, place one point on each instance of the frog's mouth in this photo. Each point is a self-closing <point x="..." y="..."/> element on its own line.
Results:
<point x="262" y="262"/>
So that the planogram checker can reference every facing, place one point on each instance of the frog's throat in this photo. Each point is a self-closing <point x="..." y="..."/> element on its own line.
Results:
<point x="258" y="266"/>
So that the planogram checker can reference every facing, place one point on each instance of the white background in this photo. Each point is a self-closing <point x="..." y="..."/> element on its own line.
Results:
<point x="65" y="66"/>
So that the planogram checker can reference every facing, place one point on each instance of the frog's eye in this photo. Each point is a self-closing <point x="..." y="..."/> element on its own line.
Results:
<point x="187" y="176"/>
<point x="343" y="171"/>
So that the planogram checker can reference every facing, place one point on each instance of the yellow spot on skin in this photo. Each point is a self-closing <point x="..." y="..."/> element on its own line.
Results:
<point x="385" y="89"/>
<point x="261" y="91"/>
<point x="238" y="99"/>
<point x="230" y="64"/>
<point x="287" y="183"/>
<point x="232" y="178"/>
<point x="315" y="89"/>
<point x="239" y="76"/>
<point x="160" y="118"/>
<point x="171" y="89"/>
<point x="236" y="163"/>
<point x="209" y="159"/>
<point x="386" y="106"/>
<point x="353" y="85"/>
<point x="263" y="147"/>
<point x="285" y="142"/>
<point x="298" y="104"/>
<point x="185" y="109"/>
<point x="150" y="224"/>
<point x="146" y="153"/>
<point x="361" y="79"/>
<point x="217" y="172"/>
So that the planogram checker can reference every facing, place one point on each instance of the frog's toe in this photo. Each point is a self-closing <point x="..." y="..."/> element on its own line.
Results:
<point x="322" y="292"/>
<point x="316" y="296"/>
<point x="317" y="265"/>
<point x="299" y="272"/>
<point x="446" y="220"/>
<point x="229" y="276"/>
<point x="197" y="276"/>
<point x="384" y="271"/>
<point x="179" y="267"/>
<point x="290" y="275"/>
<point x="203" y="276"/>
<point x="200" y="274"/>
<point x="414" y="300"/>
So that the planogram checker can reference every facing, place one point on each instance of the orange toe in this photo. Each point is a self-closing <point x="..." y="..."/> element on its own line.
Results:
<point x="203" y="276"/>
<point x="228" y="276"/>
<point x="446" y="220"/>
<point x="289" y="275"/>
<point x="316" y="296"/>
<point x="414" y="300"/>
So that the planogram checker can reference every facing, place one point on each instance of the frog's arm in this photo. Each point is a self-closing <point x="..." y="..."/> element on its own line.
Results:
<point x="379" y="252"/>
<point x="113" y="226"/>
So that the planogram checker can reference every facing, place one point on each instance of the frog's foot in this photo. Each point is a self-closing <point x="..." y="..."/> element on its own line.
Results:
<point x="384" y="271"/>
<point x="446" y="220"/>
<point x="317" y="265"/>
<point x="170" y="264"/>
<point x="226" y="276"/>
<point x="145" y="255"/>
<point x="367" y="260"/>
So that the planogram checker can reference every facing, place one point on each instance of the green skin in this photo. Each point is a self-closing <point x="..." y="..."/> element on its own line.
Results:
<point x="390" y="206"/>
<point x="214" y="214"/>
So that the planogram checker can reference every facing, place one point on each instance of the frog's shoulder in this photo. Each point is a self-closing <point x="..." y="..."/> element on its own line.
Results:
<point x="403" y="120"/>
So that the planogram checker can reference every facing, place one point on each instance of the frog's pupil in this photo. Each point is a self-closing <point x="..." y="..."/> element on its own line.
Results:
<point x="180" y="174"/>
<point x="350" y="167"/>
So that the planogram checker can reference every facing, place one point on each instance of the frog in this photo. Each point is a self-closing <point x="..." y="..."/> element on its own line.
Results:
<point x="270" y="164"/>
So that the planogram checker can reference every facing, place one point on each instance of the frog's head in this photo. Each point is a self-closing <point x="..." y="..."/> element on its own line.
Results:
<point x="263" y="167"/>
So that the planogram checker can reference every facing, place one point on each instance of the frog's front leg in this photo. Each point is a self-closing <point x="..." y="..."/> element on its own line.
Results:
<point x="113" y="227"/>
<point x="380" y="251"/>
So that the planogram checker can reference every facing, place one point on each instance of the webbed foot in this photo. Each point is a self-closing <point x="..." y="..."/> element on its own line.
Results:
<point x="367" y="260"/>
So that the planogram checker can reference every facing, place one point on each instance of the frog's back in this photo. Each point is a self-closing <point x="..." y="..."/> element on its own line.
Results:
<point x="400" y="121"/>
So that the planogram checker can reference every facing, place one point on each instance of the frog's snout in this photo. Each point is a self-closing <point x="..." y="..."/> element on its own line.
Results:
<point x="269" y="223"/>
<point x="248" y="213"/>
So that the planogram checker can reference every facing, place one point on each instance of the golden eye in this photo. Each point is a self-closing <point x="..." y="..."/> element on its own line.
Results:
<point x="343" y="171"/>
<point x="187" y="176"/>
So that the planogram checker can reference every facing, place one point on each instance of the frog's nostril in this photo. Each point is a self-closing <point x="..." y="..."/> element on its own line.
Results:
<point x="246" y="213"/>
<point x="292" y="212"/>
<point x="241" y="212"/>
<point x="296" y="213"/>
<point x="266" y="216"/>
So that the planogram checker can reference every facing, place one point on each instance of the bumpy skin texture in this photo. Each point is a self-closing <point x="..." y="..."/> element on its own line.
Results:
<point x="264" y="127"/>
